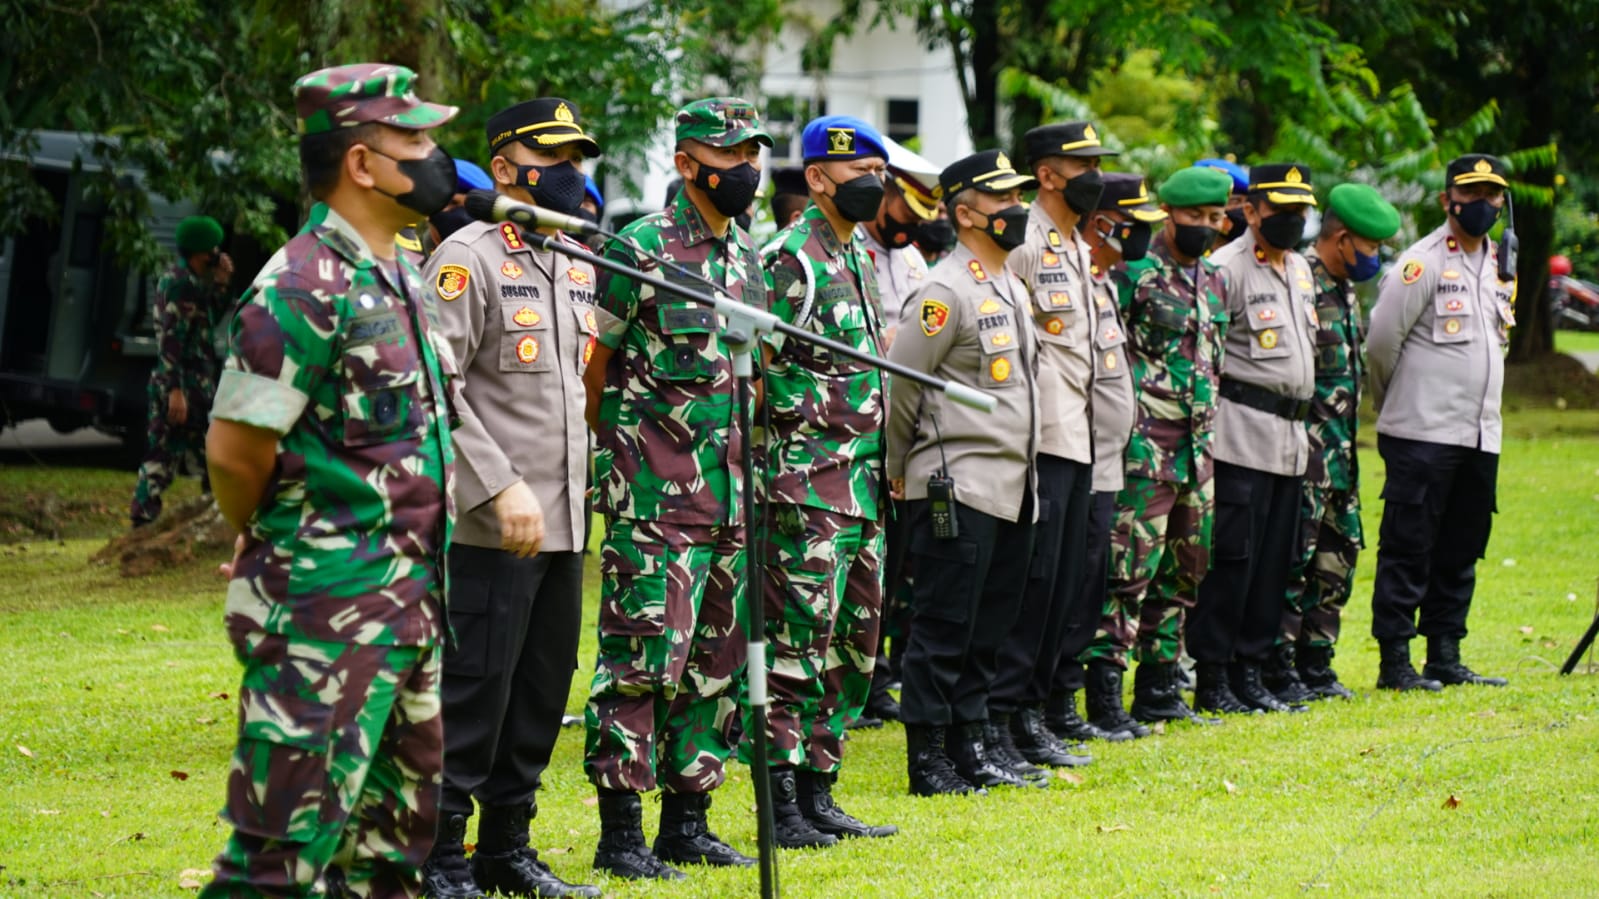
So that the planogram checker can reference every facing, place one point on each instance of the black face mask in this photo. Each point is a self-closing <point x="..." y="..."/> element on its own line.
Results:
<point x="1236" y="223"/>
<point x="936" y="236"/>
<point x="587" y="215"/>
<point x="432" y="181"/>
<point x="1282" y="230"/>
<point x="1007" y="227"/>
<point x="730" y="189"/>
<point x="1476" y="218"/>
<point x="558" y="188"/>
<point x="897" y="233"/>
<point x="743" y="220"/>
<point x="1193" y="240"/>
<point x="449" y="221"/>
<point x="1082" y="192"/>
<point x="1130" y="239"/>
<point x="858" y="199"/>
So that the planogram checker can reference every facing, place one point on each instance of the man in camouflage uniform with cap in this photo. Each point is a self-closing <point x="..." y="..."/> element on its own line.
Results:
<point x="1353" y="228"/>
<point x="330" y="451"/>
<point x="1160" y="549"/>
<point x="662" y="401"/>
<point x="188" y="301"/>
<point x="824" y="486"/>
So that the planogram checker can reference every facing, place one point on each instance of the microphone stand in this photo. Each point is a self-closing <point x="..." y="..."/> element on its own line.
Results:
<point x="744" y="325"/>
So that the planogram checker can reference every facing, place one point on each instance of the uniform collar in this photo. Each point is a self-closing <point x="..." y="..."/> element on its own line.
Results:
<point x="822" y="229"/>
<point x="1056" y="238"/>
<point x="691" y="225"/>
<point x="1325" y="282"/>
<point x="336" y="232"/>
<point x="962" y="259"/>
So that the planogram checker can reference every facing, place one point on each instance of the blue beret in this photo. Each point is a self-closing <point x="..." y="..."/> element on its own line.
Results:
<point x="840" y="138"/>
<point x="1232" y="170"/>
<point x="469" y="176"/>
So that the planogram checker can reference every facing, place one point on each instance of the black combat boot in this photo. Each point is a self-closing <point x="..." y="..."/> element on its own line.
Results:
<point x="928" y="765"/>
<point x="1001" y="749"/>
<point x="1064" y="722"/>
<point x="1212" y="694"/>
<point x="1037" y="745"/>
<point x="1156" y="697"/>
<point x="1316" y="671"/>
<point x="622" y="851"/>
<point x="446" y="874"/>
<point x="816" y="804"/>
<point x="1105" y="700"/>
<point x="972" y="763"/>
<point x="686" y="837"/>
<point x="1251" y="691"/>
<point x="1396" y="673"/>
<point x="1281" y="677"/>
<point x="790" y="828"/>
<point x="880" y="703"/>
<point x="504" y="863"/>
<point x="1444" y="665"/>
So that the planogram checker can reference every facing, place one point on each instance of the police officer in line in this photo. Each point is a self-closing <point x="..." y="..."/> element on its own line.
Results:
<point x="1236" y="225"/>
<point x="521" y="323"/>
<point x="1436" y="355"/>
<point x="968" y="475"/>
<point x="661" y="400"/>
<point x="330" y="452"/>
<point x="1262" y="450"/>
<point x="1353" y="228"/>
<point x="1054" y="264"/>
<point x="824" y="487"/>
<point x="1160" y="547"/>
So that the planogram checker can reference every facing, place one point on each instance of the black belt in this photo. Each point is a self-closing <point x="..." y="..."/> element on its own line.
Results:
<point x="1265" y="400"/>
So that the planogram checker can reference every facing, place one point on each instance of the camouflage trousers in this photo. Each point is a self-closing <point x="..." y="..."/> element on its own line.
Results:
<point x="1321" y="579"/>
<point x="167" y="445"/>
<point x="671" y="651"/>
<point x="1159" y="552"/>
<point x="824" y="599"/>
<point x="338" y="763"/>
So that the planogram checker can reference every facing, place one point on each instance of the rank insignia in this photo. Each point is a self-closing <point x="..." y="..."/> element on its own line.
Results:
<point x="1411" y="273"/>
<point x="1260" y="254"/>
<point x="1001" y="339"/>
<point x="451" y="282"/>
<point x="1060" y="299"/>
<point x="510" y="269"/>
<point x="1452" y="326"/>
<point x="1304" y="284"/>
<point x="999" y="369"/>
<point x="934" y="316"/>
<point x="511" y="236"/>
<point x="1110" y="335"/>
<point x="526" y="317"/>
<point x="1054" y="238"/>
<point x="988" y="306"/>
<point x="1452" y="244"/>
<point x="1110" y="361"/>
<point x="1454" y="305"/>
<point x="1268" y="339"/>
<point x="578" y="276"/>
<point x="976" y="269"/>
<point x="1051" y="258"/>
<point x="1450" y="273"/>
<point x="527" y="350"/>
<point x="1267" y="314"/>
<point x="1055" y="326"/>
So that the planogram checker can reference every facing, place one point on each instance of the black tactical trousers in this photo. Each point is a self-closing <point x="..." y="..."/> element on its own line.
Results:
<point x="1052" y="600"/>
<point x="507" y="676"/>
<point x="1241" y="600"/>
<point x="1096" y="591"/>
<point x="1438" y="505"/>
<point x="967" y="595"/>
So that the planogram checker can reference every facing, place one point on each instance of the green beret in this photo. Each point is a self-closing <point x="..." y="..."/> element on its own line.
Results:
<point x="1364" y="211"/>
<point x="1196" y="187"/>
<point x="199" y="233"/>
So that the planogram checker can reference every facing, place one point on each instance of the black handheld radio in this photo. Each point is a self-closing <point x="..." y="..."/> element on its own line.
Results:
<point x="941" y="494"/>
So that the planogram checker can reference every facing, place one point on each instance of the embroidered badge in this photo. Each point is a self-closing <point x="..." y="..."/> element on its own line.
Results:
<point x="527" y="317"/>
<point x="510" y="269"/>
<point x="1003" y="338"/>
<point x="527" y="350"/>
<point x="1055" y="326"/>
<point x="999" y="369"/>
<point x="976" y="269"/>
<point x="451" y="282"/>
<point x="1452" y="326"/>
<point x="1110" y="361"/>
<point x="1268" y="339"/>
<point x="988" y="306"/>
<point x="1411" y="273"/>
<point x="511" y="236"/>
<point x="934" y="316"/>
<point x="578" y="276"/>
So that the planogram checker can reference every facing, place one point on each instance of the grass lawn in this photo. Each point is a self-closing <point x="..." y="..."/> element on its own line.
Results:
<point x="116" y="718"/>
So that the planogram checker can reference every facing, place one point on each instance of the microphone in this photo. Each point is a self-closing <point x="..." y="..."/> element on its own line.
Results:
<point x="488" y="206"/>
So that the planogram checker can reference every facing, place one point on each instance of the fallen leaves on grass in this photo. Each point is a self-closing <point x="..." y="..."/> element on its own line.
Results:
<point x="1452" y="802"/>
<point x="1485" y="713"/>
<point x="192" y="878"/>
<point x="1230" y="786"/>
<point x="559" y="850"/>
<point x="220" y="694"/>
<point x="591" y="801"/>
<point x="205" y="721"/>
<point x="1526" y="629"/>
<point x="179" y="775"/>
<point x="1112" y="828"/>
<point x="160" y="628"/>
<point x="1368" y="750"/>
<point x="1068" y="775"/>
<point x="25" y="750"/>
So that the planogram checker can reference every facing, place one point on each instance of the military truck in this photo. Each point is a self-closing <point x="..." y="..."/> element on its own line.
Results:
<point x="77" y="339"/>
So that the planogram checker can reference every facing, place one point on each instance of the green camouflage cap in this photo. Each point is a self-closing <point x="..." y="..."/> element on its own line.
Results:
<point x="346" y="96"/>
<point x="721" y="122"/>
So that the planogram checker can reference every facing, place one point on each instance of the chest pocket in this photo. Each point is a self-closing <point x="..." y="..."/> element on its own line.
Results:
<point x="1269" y="331"/>
<point x="1332" y="353"/>
<point x="1056" y="308"/>
<point x="1452" y="311"/>
<point x="527" y="339"/>
<point x="1110" y="357"/>
<point x="382" y="398"/>
<point x="687" y="350"/>
<point x="840" y="316"/>
<point x="1000" y="359"/>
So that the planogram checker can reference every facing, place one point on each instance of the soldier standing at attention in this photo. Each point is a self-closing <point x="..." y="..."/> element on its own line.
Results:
<point x="188" y="300"/>
<point x="1160" y="548"/>
<point x="824" y="487"/>
<point x="1436" y="352"/>
<point x="661" y="401"/>
<point x="1261" y="446"/>
<point x="1054" y="264"/>
<point x="522" y="326"/>
<point x="1235" y="225"/>
<point x="970" y="326"/>
<point x="1353" y="228"/>
<point x="330" y="451"/>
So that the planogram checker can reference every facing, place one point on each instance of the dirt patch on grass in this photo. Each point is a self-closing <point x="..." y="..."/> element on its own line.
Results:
<point x="1555" y="381"/>
<point x="45" y="514"/>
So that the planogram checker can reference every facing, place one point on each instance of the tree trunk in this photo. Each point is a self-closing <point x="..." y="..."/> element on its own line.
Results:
<point x="985" y="59"/>
<point x="1534" y="334"/>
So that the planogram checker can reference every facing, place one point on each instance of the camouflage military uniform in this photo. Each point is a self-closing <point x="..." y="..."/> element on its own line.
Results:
<point x="1330" y="531"/>
<point x="186" y="308"/>
<point x="335" y="609"/>
<point x="825" y="492"/>
<point x="668" y="471"/>
<point x="1160" y="549"/>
